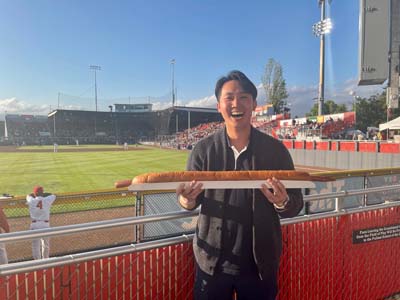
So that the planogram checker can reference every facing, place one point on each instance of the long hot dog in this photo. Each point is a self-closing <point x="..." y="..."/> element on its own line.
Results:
<point x="185" y="176"/>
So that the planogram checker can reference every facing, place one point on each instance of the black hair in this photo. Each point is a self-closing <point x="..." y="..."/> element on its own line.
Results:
<point x="245" y="83"/>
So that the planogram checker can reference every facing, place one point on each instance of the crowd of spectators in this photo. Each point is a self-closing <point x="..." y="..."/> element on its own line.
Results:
<point x="281" y="129"/>
<point x="27" y="129"/>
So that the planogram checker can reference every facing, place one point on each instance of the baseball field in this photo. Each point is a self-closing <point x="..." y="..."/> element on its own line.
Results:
<point x="80" y="168"/>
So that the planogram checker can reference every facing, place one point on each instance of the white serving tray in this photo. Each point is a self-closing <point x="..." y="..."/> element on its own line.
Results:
<point x="230" y="184"/>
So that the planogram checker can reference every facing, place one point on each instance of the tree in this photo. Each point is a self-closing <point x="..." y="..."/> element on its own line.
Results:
<point x="371" y="111"/>
<point x="330" y="107"/>
<point x="274" y="85"/>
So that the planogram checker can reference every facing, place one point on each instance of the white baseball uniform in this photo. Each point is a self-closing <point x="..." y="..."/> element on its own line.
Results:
<point x="39" y="209"/>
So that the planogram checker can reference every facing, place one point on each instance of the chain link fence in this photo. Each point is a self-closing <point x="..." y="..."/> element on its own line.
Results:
<point x="75" y="208"/>
<point x="152" y="203"/>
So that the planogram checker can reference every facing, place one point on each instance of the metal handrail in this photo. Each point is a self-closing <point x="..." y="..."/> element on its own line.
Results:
<point x="338" y="212"/>
<point x="342" y="194"/>
<point x="76" y="228"/>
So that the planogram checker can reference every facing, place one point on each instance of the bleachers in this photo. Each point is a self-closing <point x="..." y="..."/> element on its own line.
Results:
<point x="27" y="129"/>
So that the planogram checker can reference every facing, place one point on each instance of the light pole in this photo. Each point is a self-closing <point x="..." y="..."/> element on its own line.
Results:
<point x="95" y="68"/>
<point x="355" y="97"/>
<point x="173" y="83"/>
<point x="5" y="126"/>
<point x="321" y="28"/>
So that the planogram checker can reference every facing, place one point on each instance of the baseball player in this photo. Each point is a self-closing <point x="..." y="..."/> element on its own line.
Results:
<point x="39" y="209"/>
<point x="4" y="226"/>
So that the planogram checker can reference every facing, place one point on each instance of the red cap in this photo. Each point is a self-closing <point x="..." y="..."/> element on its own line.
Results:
<point x="37" y="190"/>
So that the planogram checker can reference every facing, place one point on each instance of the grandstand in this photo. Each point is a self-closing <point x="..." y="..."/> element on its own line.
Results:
<point x="26" y="129"/>
<point x="179" y="118"/>
<point x="89" y="127"/>
<point x="178" y="126"/>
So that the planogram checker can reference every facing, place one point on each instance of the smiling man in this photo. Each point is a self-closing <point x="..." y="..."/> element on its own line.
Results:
<point x="237" y="244"/>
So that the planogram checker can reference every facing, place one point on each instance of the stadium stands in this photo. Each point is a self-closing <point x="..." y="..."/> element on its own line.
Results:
<point x="27" y="129"/>
<point x="90" y="127"/>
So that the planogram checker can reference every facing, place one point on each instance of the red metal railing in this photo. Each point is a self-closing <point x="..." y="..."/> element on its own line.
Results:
<point x="320" y="261"/>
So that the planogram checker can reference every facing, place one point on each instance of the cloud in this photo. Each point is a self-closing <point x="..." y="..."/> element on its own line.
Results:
<point x="301" y="99"/>
<point x="364" y="91"/>
<point x="15" y="106"/>
<point x="210" y="101"/>
<point x="161" y="105"/>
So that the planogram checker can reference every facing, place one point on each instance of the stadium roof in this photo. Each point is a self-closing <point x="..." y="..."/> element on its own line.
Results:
<point x="196" y="109"/>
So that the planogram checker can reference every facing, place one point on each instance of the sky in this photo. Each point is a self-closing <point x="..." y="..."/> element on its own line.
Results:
<point x="47" y="47"/>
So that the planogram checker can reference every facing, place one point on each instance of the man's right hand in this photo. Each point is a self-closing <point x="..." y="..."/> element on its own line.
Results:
<point x="188" y="193"/>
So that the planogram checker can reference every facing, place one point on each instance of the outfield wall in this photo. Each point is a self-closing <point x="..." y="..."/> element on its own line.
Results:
<point x="344" y="154"/>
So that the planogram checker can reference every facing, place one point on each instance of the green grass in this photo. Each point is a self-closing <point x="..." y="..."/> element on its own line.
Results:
<point x="83" y="147"/>
<point x="81" y="171"/>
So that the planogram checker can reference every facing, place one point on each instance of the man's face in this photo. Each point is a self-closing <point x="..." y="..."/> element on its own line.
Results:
<point x="235" y="105"/>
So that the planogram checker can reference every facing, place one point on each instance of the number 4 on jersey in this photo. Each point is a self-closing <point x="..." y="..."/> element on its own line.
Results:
<point x="39" y="204"/>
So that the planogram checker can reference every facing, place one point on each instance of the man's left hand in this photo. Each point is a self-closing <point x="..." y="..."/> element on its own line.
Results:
<point x="278" y="196"/>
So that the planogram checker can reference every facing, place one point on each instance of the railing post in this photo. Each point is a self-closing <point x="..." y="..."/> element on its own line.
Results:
<point x="338" y="204"/>
<point x="138" y="210"/>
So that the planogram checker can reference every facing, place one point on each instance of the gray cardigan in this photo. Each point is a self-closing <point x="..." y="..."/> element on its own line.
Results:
<point x="212" y="154"/>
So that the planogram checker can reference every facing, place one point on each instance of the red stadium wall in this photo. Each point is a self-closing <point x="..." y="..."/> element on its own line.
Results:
<point x="368" y="147"/>
<point x="349" y="146"/>
<point x="319" y="261"/>
<point x="390" y="148"/>
<point x="325" y="145"/>
<point x="310" y="145"/>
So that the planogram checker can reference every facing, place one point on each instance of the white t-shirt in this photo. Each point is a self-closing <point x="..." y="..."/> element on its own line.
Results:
<point x="39" y="207"/>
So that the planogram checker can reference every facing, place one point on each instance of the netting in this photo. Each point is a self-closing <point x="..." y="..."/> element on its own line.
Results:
<point x="88" y="102"/>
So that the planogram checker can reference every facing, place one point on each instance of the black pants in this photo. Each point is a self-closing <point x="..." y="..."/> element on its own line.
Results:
<point x="222" y="286"/>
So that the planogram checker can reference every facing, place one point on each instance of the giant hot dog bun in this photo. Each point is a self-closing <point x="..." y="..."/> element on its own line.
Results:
<point x="185" y="176"/>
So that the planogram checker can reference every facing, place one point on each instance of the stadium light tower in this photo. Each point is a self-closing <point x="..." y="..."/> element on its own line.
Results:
<point x="355" y="98"/>
<point x="173" y="79"/>
<point x="320" y="29"/>
<point x="95" y="69"/>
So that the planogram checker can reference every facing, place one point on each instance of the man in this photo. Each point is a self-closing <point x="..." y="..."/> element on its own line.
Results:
<point x="6" y="228"/>
<point x="39" y="210"/>
<point x="237" y="244"/>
